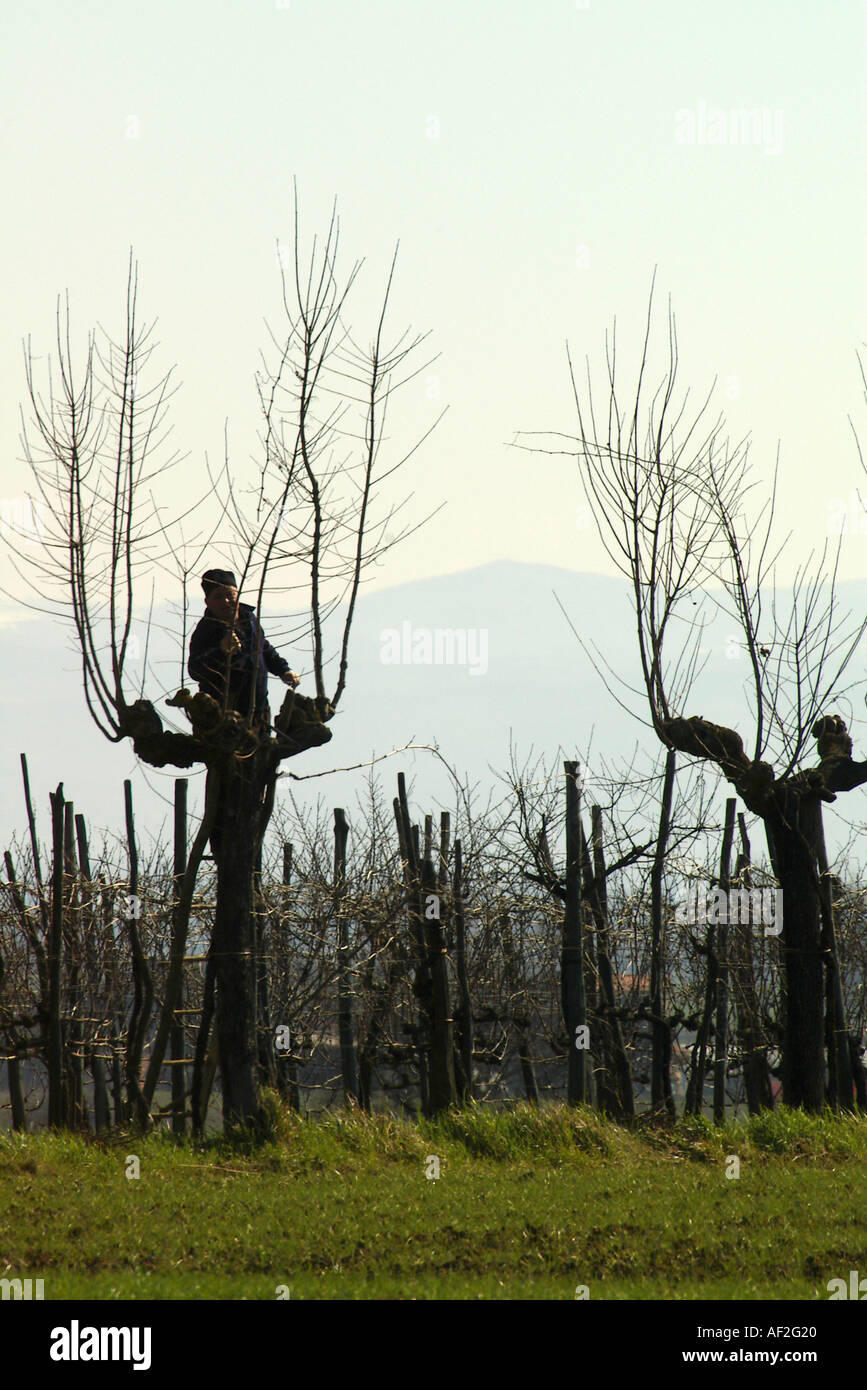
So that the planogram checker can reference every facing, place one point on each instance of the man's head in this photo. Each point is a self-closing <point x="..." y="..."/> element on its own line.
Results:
<point x="221" y="593"/>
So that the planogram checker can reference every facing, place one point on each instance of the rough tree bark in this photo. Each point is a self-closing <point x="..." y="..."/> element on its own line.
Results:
<point x="54" y="1036"/>
<point x="789" y="808"/>
<point x="617" y="1097"/>
<point x="721" y="1034"/>
<point x="660" y="1062"/>
<point x="573" y="999"/>
<point x="464" y="1028"/>
<point x="346" y="1028"/>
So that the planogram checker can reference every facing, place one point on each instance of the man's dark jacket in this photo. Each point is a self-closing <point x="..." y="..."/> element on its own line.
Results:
<point x="208" y="665"/>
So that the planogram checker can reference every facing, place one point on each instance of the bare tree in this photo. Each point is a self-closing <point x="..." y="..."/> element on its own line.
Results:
<point x="96" y="444"/>
<point x="622" y="838"/>
<point x="670" y="498"/>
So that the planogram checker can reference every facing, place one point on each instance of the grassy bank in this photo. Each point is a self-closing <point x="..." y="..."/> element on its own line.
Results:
<point x="527" y="1205"/>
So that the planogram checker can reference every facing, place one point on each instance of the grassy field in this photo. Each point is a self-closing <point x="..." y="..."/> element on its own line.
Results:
<point x="527" y="1205"/>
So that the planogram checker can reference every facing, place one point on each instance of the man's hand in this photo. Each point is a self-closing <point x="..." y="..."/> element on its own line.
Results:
<point x="290" y="678"/>
<point x="230" y="643"/>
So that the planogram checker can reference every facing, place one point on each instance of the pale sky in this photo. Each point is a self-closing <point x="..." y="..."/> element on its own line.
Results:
<point x="536" y="162"/>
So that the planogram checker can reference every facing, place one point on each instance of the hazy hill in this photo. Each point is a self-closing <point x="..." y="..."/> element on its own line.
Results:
<point x="468" y="660"/>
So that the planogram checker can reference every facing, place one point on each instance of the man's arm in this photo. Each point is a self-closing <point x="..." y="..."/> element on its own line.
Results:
<point x="274" y="662"/>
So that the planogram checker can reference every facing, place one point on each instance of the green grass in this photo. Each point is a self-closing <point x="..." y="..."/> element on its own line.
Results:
<point x="529" y="1204"/>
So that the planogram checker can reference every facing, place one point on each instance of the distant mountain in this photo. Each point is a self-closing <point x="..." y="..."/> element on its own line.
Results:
<point x="470" y="661"/>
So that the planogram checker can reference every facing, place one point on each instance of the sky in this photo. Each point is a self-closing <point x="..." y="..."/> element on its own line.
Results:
<point x="535" y="163"/>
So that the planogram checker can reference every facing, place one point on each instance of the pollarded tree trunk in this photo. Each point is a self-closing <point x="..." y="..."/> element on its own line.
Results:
<point x="614" y="1090"/>
<point x="840" y="1076"/>
<point x="573" y="1001"/>
<point x="443" y="1086"/>
<point x="242" y="766"/>
<point x="16" y="1095"/>
<point x="721" y="1030"/>
<point x="789" y="808"/>
<point x="54" y="1035"/>
<point x="266" y="1055"/>
<point x="660" y="1064"/>
<point x="345" y="1021"/>
<point x="237" y="845"/>
<point x="520" y="1011"/>
<point x="407" y="835"/>
<point x="793" y="831"/>
<point x="287" y="1074"/>
<point x="199" y="1091"/>
<point x="464" y="1021"/>
<point x="698" y="1065"/>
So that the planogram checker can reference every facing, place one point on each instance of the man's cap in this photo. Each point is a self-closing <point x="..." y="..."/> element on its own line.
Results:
<point x="213" y="579"/>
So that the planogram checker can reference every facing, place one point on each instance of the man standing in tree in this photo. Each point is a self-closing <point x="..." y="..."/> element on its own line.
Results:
<point x="229" y="648"/>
